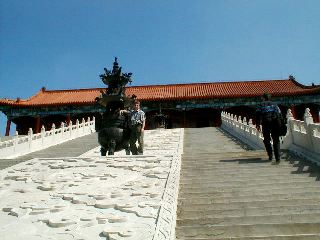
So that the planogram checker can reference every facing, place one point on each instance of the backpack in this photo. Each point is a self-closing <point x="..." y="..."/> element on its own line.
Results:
<point x="270" y="113"/>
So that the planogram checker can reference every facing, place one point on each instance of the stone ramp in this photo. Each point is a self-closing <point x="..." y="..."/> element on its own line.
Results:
<point x="72" y="148"/>
<point x="230" y="192"/>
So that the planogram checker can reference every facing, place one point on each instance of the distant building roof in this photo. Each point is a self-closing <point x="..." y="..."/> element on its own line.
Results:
<point x="172" y="92"/>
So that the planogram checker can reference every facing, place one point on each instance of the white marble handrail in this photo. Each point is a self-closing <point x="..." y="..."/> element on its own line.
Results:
<point x="303" y="137"/>
<point x="21" y="145"/>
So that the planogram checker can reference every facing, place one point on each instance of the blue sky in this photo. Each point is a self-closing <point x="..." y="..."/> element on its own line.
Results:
<point x="66" y="44"/>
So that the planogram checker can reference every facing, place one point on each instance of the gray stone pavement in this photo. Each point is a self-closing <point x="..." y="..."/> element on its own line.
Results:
<point x="72" y="148"/>
<point x="228" y="191"/>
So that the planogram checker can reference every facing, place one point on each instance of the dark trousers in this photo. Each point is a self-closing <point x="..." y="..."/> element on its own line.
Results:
<point x="136" y="135"/>
<point x="273" y="130"/>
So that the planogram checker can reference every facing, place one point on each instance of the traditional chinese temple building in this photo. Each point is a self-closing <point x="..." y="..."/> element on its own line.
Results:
<point x="184" y="105"/>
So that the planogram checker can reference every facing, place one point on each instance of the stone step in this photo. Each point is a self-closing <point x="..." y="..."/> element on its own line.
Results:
<point x="210" y="199"/>
<point x="266" y="211"/>
<point x="259" y="168"/>
<point x="253" y="204"/>
<point x="249" y="159"/>
<point x="257" y="164"/>
<point x="239" y="161"/>
<point x="72" y="148"/>
<point x="233" y="154"/>
<point x="264" y="219"/>
<point x="245" y="187"/>
<point x="248" y="172"/>
<point x="274" y="237"/>
<point x="256" y="193"/>
<point x="221" y="161"/>
<point x="249" y="230"/>
<point x="226" y="158"/>
<point x="245" y="178"/>
<point x="224" y="174"/>
<point x="245" y="182"/>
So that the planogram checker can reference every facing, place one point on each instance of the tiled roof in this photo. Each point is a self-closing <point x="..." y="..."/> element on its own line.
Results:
<point x="172" y="92"/>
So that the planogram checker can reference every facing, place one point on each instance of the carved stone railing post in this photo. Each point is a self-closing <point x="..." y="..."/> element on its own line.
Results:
<point x="93" y="123"/>
<point x="30" y="135"/>
<point x="288" y="139"/>
<point x="241" y="121"/>
<point x="308" y="121"/>
<point x="83" y="123"/>
<point x="42" y="134"/>
<point x="307" y="117"/>
<point x="77" y="128"/>
<point x="70" y="129"/>
<point x="235" y="123"/>
<point x="250" y="122"/>
<point x="53" y="130"/>
<point x="62" y="129"/>
<point x="15" y="141"/>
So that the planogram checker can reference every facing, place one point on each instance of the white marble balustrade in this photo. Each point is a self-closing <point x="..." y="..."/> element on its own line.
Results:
<point x="303" y="137"/>
<point x="21" y="145"/>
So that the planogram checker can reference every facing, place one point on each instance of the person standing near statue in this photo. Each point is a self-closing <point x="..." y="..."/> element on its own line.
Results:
<point x="137" y="123"/>
<point x="268" y="115"/>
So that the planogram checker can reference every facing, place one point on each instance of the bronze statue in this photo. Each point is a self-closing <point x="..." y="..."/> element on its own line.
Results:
<point x="113" y="128"/>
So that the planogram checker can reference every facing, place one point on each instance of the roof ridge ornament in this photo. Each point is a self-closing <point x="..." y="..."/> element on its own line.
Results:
<point x="115" y="79"/>
<point x="115" y="66"/>
<point x="291" y="77"/>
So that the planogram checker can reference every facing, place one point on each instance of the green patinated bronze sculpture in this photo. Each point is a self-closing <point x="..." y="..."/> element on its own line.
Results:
<point x="113" y="128"/>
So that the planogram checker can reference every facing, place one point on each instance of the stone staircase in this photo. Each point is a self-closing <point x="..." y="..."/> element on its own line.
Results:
<point x="72" y="148"/>
<point x="228" y="191"/>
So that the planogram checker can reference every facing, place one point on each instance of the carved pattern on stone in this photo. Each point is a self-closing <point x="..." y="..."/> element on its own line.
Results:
<point x="120" y="197"/>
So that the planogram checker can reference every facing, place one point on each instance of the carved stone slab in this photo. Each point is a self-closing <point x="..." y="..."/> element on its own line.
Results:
<point x="93" y="197"/>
